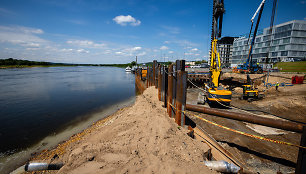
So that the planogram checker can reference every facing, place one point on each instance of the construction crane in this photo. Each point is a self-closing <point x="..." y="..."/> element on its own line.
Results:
<point x="216" y="95"/>
<point x="248" y="66"/>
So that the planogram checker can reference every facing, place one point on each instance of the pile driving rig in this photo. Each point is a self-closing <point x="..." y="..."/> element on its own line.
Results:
<point x="216" y="95"/>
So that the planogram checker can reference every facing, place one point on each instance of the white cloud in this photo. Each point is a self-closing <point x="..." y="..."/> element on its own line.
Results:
<point x="142" y="53"/>
<point x="196" y="54"/>
<point x="188" y="54"/>
<point x="30" y="44"/>
<point x="23" y="36"/>
<point x="82" y="51"/>
<point x="67" y="50"/>
<point x="166" y="42"/>
<point x="132" y="51"/>
<point x="303" y="2"/>
<point x="70" y="50"/>
<point x="163" y="48"/>
<point x="99" y="45"/>
<point x="170" y="52"/>
<point x="32" y="49"/>
<point x="136" y="48"/>
<point x="125" y="20"/>
<point x="20" y="29"/>
<point x="86" y="43"/>
<point x="80" y="42"/>
<point x="194" y="49"/>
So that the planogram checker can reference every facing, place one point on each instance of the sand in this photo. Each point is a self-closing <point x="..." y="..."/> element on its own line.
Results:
<point x="136" y="139"/>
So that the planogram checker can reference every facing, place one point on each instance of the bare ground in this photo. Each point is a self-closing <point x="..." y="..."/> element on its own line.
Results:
<point x="261" y="156"/>
<point x="137" y="139"/>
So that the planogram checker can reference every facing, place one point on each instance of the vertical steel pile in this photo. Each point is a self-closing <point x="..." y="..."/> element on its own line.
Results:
<point x="170" y="90"/>
<point x="181" y="84"/>
<point x="159" y="82"/>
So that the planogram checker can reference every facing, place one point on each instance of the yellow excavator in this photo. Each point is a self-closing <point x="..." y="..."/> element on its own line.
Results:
<point x="216" y="95"/>
<point x="250" y="93"/>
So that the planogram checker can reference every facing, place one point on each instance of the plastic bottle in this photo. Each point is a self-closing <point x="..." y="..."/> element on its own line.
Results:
<point x="222" y="166"/>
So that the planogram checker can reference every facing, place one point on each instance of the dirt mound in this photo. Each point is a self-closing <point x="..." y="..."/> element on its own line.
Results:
<point x="139" y="139"/>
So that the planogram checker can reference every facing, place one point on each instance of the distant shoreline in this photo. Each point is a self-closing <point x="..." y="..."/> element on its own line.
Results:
<point x="16" y="63"/>
<point x="33" y="66"/>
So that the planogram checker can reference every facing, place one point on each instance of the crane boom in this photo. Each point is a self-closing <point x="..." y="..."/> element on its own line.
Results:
<point x="261" y="4"/>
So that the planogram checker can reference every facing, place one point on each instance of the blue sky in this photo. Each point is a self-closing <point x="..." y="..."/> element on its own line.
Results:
<point x="115" y="31"/>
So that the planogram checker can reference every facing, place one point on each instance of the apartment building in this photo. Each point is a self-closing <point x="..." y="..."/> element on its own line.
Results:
<point x="287" y="42"/>
<point x="225" y="49"/>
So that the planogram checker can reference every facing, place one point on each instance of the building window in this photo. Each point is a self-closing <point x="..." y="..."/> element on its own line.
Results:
<point x="274" y="54"/>
<point x="282" y="34"/>
<point x="284" y="53"/>
<point x="264" y="50"/>
<point x="265" y="38"/>
<point x="282" y="47"/>
<point x="273" y="48"/>
<point x="259" y="45"/>
<point x="275" y="42"/>
<point x="299" y="33"/>
<point x="286" y="40"/>
<point x="258" y="39"/>
<point x="245" y="42"/>
<point x="284" y="28"/>
<point x="294" y="53"/>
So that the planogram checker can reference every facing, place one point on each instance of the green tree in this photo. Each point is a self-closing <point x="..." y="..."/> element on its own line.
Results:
<point x="133" y="63"/>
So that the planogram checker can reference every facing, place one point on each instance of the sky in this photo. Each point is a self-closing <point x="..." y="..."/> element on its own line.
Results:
<point x="116" y="31"/>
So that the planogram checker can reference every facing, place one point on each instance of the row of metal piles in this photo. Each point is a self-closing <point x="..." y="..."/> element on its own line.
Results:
<point x="171" y="82"/>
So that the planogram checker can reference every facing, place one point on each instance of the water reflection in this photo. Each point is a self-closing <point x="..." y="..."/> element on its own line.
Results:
<point x="36" y="102"/>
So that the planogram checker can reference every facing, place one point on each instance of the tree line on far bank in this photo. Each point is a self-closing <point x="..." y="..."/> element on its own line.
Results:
<point x="11" y="61"/>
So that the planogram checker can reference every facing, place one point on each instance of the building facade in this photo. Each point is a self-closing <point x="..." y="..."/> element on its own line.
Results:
<point x="225" y="49"/>
<point x="286" y="43"/>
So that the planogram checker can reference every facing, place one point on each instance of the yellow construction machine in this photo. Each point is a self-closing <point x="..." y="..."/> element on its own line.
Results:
<point x="216" y="95"/>
<point x="250" y="93"/>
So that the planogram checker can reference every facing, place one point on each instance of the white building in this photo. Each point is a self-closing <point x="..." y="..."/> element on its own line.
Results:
<point x="287" y="43"/>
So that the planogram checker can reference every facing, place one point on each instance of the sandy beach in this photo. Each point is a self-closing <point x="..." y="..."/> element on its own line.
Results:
<point x="136" y="139"/>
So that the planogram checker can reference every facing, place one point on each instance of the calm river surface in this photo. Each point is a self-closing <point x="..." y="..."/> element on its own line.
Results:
<point x="38" y="104"/>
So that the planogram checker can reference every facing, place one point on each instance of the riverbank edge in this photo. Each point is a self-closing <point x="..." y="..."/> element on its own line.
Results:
<point x="58" y="150"/>
<point x="48" y="155"/>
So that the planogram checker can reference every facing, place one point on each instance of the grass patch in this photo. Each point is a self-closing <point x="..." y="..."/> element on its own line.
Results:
<point x="291" y="66"/>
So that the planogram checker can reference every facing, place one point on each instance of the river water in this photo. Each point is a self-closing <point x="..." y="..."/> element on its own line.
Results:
<point x="40" y="107"/>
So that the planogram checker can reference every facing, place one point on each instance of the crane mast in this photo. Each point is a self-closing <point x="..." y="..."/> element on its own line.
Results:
<point x="215" y="62"/>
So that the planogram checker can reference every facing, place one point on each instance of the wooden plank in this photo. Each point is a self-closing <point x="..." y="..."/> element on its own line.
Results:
<point x="218" y="152"/>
